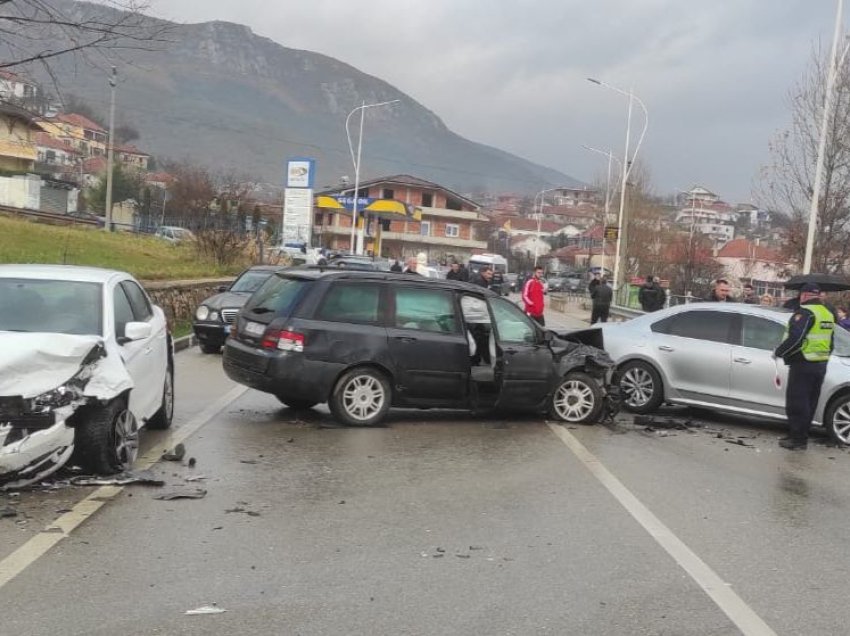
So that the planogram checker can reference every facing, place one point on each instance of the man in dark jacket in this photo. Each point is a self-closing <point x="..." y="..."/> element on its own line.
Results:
<point x="651" y="296"/>
<point x="749" y="297"/>
<point x="484" y="278"/>
<point x="602" y="295"/>
<point x="455" y="272"/>
<point x="806" y="349"/>
<point x="720" y="292"/>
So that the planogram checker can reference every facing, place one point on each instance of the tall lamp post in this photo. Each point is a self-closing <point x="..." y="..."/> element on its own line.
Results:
<point x="610" y="155"/>
<point x="827" y="108"/>
<point x="622" y="232"/>
<point x="357" y="237"/>
<point x="110" y="151"/>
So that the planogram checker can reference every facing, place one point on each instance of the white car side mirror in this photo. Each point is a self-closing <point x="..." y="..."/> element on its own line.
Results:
<point x="137" y="331"/>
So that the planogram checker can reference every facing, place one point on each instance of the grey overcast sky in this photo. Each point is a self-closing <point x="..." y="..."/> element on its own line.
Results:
<point x="714" y="75"/>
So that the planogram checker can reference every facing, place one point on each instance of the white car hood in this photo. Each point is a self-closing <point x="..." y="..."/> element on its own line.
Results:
<point x="34" y="363"/>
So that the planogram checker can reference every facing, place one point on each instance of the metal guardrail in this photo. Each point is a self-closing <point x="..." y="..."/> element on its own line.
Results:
<point x="558" y="301"/>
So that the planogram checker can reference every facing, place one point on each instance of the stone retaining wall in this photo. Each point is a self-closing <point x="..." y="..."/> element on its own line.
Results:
<point x="180" y="298"/>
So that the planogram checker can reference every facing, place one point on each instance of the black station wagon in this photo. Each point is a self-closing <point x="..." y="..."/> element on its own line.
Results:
<point x="367" y="341"/>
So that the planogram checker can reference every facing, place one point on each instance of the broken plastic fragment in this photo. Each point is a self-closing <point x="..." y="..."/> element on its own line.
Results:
<point x="206" y="609"/>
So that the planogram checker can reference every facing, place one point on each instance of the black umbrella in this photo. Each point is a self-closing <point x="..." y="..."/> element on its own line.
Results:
<point x="826" y="282"/>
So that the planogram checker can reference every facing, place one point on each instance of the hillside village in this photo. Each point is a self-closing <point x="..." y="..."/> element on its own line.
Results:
<point x="51" y="160"/>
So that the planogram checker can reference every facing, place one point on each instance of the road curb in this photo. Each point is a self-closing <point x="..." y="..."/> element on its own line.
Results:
<point x="185" y="342"/>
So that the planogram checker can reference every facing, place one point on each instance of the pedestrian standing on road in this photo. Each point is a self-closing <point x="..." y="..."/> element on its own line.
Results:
<point x="484" y="277"/>
<point x="395" y="267"/>
<point x="805" y="350"/>
<point x="602" y="295"/>
<point x="593" y="284"/>
<point x="454" y="272"/>
<point x="532" y="296"/>
<point x="720" y="292"/>
<point x="650" y="296"/>
<point x="766" y="300"/>
<point x="843" y="317"/>
<point x="749" y="297"/>
<point x="412" y="266"/>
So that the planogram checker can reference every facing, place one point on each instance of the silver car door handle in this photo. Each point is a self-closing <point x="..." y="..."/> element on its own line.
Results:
<point x="666" y="348"/>
<point x="742" y="360"/>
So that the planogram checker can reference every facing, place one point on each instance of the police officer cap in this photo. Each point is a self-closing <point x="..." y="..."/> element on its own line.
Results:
<point x="812" y="288"/>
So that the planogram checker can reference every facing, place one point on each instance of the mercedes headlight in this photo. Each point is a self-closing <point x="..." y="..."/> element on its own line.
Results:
<point x="213" y="315"/>
<point x="202" y="312"/>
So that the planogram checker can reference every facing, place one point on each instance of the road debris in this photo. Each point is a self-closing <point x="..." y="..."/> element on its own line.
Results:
<point x="176" y="455"/>
<point x="195" y="478"/>
<point x="206" y="609"/>
<point x="8" y="512"/>
<point x="240" y="510"/>
<point x="192" y="462"/>
<point x="140" y="477"/>
<point x="182" y="493"/>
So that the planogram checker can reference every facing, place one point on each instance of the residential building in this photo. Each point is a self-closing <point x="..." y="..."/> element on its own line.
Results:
<point x="17" y="90"/>
<point x="574" y="197"/>
<point x="132" y="157"/>
<point x="79" y="131"/>
<point x="747" y="261"/>
<point x="58" y="159"/>
<point x="17" y="139"/>
<point x="445" y="230"/>
<point x="702" y="211"/>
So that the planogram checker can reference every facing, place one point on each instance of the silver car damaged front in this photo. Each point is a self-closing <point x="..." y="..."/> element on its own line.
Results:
<point x="44" y="380"/>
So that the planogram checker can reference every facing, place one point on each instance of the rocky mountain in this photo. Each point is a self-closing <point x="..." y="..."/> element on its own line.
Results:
<point x="218" y="94"/>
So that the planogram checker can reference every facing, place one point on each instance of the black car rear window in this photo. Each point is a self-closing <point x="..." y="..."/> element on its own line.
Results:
<point x="351" y="302"/>
<point x="277" y="296"/>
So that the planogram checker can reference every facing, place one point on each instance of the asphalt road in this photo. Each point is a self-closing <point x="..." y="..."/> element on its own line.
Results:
<point x="440" y="523"/>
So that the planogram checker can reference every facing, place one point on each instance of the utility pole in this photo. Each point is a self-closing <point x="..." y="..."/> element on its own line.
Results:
<point x="110" y="151"/>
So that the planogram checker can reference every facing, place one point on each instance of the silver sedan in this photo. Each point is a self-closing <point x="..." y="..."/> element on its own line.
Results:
<point x="719" y="356"/>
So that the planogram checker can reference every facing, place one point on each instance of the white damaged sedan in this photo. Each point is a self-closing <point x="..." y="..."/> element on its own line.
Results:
<point x="85" y="361"/>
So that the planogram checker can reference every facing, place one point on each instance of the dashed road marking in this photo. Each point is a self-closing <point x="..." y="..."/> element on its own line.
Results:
<point x="727" y="600"/>
<point x="40" y="544"/>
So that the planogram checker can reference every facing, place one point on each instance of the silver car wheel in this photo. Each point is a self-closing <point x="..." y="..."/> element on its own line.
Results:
<point x="638" y="386"/>
<point x="841" y="422"/>
<point x="574" y="401"/>
<point x="126" y="438"/>
<point x="362" y="397"/>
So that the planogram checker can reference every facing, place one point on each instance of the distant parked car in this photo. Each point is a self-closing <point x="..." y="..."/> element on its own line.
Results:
<point x="216" y="314"/>
<point x="557" y="284"/>
<point x="573" y="282"/>
<point x="174" y="234"/>
<point x="511" y="281"/>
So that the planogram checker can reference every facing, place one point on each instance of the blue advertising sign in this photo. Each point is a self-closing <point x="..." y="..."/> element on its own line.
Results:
<point x="300" y="172"/>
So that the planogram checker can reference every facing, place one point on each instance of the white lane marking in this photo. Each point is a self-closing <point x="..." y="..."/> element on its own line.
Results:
<point x="732" y="605"/>
<point x="40" y="544"/>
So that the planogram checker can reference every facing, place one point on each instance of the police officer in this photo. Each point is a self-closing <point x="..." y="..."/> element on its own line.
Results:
<point x="805" y="349"/>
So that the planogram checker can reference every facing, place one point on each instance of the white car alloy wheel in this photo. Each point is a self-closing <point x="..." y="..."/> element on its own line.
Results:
<point x="838" y="420"/>
<point x="637" y="386"/>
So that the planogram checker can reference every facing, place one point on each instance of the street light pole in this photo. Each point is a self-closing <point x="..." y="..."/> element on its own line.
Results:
<point x="357" y="236"/>
<point x="622" y="223"/>
<point x="610" y="155"/>
<point x="110" y="151"/>
<point x="827" y="107"/>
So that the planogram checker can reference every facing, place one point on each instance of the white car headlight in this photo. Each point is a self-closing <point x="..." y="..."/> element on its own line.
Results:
<point x="202" y="312"/>
<point x="213" y="315"/>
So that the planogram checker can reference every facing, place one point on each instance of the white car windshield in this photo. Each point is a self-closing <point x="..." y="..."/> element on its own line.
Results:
<point x="51" y="306"/>
<point x="841" y="342"/>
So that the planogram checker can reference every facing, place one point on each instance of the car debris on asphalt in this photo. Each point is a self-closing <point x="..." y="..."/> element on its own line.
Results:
<point x="206" y="609"/>
<point x="176" y="455"/>
<point x="140" y="477"/>
<point x="182" y="493"/>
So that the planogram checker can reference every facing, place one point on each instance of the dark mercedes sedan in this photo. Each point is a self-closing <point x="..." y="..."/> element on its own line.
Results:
<point x="215" y="315"/>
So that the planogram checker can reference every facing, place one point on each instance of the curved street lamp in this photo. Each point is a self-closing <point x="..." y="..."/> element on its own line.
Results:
<point x="629" y="164"/>
<point x="357" y="238"/>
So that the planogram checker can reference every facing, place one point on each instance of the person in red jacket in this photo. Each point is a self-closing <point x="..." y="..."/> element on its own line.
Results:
<point x="532" y="296"/>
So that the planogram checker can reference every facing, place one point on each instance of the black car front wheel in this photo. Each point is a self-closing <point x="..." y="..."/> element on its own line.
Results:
<point x="577" y="399"/>
<point x="361" y="397"/>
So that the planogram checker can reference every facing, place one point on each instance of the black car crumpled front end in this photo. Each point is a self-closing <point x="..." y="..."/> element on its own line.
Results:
<point x="584" y="351"/>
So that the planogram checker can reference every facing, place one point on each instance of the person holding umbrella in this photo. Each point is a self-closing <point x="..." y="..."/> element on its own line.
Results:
<point x="805" y="350"/>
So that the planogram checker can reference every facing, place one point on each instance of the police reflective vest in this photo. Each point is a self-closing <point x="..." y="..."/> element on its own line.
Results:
<point x="818" y="342"/>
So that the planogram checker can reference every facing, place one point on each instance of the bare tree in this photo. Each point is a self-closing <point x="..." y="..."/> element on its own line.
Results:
<point x="786" y="183"/>
<point x="37" y="31"/>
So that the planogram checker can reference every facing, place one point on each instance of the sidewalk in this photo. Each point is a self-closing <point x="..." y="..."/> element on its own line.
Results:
<point x="573" y="316"/>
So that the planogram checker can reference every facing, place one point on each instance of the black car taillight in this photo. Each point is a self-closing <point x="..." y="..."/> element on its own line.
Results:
<point x="283" y="340"/>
